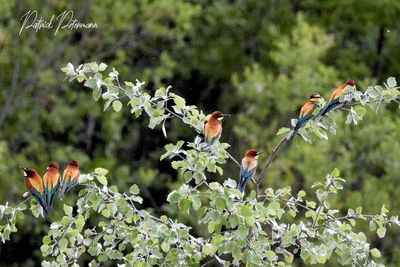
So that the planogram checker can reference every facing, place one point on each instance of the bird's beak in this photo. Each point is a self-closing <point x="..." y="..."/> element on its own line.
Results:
<point x="316" y="99"/>
<point x="258" y="154"/>
<point x="223" y="116"/>
<point x="24" y="169"/>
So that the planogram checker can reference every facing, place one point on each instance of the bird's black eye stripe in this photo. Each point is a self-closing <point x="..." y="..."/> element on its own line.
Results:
<point x="315" y="96"/>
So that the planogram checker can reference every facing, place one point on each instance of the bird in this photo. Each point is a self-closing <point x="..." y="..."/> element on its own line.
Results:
<point x="248" y="168"/>
<point x="306" y="113"/>
<point x="334" y="100"/>
<point x="70" y="177"/>
<point x="213" y="127"/>
<point x="51" y="181"/>
<point x="34" y="183"/>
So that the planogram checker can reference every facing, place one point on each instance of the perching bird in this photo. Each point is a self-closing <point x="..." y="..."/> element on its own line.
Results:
<point x="306" y="113"/>
<point x="51" y="181"/>
<point x="334" y="102"/>
<point x="248" y="168"/>
<point x="70" y="177"/>
<point x="213" y="127"/>
<point x="34" y="183"/>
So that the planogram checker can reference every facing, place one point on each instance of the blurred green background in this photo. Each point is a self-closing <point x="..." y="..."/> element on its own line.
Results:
<point x="258" y="60"/>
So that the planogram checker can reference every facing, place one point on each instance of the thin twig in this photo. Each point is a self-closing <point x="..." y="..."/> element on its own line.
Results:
<point x="274" y="152"/>
<point x="233" y="159"/>
<point x="208" y="262"/>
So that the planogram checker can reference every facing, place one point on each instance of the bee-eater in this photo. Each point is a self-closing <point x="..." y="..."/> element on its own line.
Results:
<point x="334" y="102"/>
<point x="70" y="177"/>
<point x="51" y="180"/>
<point x="248" y="168"/>
<point x="306" y="113"/>
<point x="213" y="127"/>
<point x="34" y="183"/>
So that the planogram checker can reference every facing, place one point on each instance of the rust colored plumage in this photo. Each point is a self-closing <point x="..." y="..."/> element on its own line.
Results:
<point x="51" y="180"/>
<point x="34" y="183"/>
<point x="338" y="92"/>
<point x="306" y="113"/>
<point x="70" y="177"/>
<point x="334" y="100"/>
<point x="213" y="127"/>
<point x="307" y="108"/>
<point x="248" y="168"/>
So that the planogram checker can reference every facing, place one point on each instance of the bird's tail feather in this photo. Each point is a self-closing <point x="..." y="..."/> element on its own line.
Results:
<point x="241" y="187"/>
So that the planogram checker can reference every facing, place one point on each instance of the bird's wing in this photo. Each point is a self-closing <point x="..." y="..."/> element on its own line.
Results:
<point x="37" y="195"/>
<point x="212" y="131"/>
<point x="70" y="180"/>
<point x="306" y="113"/>
<point x="337" y="92"/>
<point x="253" y="166"/>
<point x="247" y="171"/>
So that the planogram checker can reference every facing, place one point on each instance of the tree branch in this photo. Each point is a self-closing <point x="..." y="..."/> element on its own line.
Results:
<point x="274" y="152"/>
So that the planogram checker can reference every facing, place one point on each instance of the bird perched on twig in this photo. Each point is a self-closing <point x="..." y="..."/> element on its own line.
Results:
<point x="306" y="113"/>
<point x="70" y="177"/>
<point x="213" y="127"/>
<point x="334" y="100"/>
<point x="51" y="181"/>
<point x="248" y="168"/>
<point x="34" y="183"/>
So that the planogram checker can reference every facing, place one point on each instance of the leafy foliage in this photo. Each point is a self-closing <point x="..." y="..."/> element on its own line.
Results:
<point x="255" y="59"/>
<point x="269" y="228"/>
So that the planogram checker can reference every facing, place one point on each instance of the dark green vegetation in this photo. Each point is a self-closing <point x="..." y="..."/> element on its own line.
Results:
<point x="258" y="60"/>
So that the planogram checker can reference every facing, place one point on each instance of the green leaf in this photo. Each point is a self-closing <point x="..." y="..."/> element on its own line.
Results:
<point x="249" y="220"/>
<point x="196" y="202"/>
<point x="335" y="172"/>
<point x="310" y="214"/>
<point x="164" y="218"/>
<point x="391" y="82"/>
<point x="321" y="259"/>
<point x="69" y="69"/>
<point x="91" y="83"/>
<point x="209" y="249"/>
<point x="102" y="67"/>
<point x="180" y="102"/>
<point x="246" y="211"/>
<point x="106" y="213"/>
<point x="283" y="130"/>
<point x="210" y="227"/>
<point x="80" y="223"/>
<point x="301" y="194"/>
<point x="381" y="232"/>
<point x="102" y="179"/>
<point x="68" y="210"/>
<point x="375" y="253"/>
<point x="233" y="220"/>
<point x="63" y="243"/>
<point x="270" y="254"/>
<point x="154" y="121"/>
<point x="220" y="204"/>
<point x="359" y="210"/>
<point x="184" y="205"/>
<point x="117" y="105"/>
<point x="165" y="246"/>
<point x="134" y="190"/>
<point x="101" y="171"/>
<point x="96" y="94"/>
<point x="173" y="197"/>
<point x="46" y="240"/>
